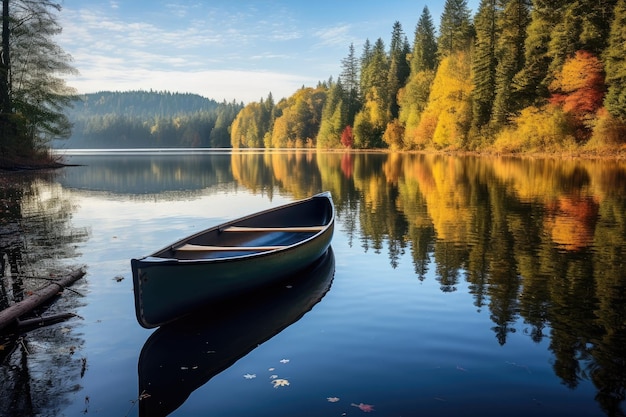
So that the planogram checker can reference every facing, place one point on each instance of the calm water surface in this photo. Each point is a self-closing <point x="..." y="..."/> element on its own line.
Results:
<point x="455" y="286"/>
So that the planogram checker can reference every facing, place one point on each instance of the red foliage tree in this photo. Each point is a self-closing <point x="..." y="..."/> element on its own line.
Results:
<point x="579" y="88"/>
<point x="347" y="138"/>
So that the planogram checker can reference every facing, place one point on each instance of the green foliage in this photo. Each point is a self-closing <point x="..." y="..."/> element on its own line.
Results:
<point x="334" y="118"/>
<point x="512" y="26"/>
<point x="299" y="123"/>
<point x="530" y="85"/>
<point x="150" y="119"/>
<point x="424" y="52"/>
<point x="399" y="68"/>
<point x="350" y="81"/>
<point x="484" y="62"/>
<point x="33" y="94"/>
<point x="455" y="29"/>
<point x="615" y="64"/>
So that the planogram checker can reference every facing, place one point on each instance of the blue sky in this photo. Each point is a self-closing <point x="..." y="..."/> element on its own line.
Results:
<point x="224" y="49"/>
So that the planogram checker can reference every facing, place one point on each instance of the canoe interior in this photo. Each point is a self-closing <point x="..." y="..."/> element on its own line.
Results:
<point x="265" y="233"/>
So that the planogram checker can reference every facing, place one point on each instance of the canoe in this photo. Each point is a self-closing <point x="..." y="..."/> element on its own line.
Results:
<point x="231" y="259"/>
<point x="180" y="357"/>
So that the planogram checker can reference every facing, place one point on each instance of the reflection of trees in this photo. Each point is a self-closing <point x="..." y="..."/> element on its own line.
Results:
<point x="35" y="234"/>
<point x="540" y="241"/>
<point x="155" y="174"/>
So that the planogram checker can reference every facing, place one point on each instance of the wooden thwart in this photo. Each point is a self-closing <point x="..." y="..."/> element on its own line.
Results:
<point x="274" y="229"/>
<point x="202" y="248"/>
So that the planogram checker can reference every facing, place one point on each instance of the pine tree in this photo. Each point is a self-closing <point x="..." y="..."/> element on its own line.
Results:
<point x="350" y="82"/>
<point x="366" y="57"/>
<point x="455" y="29"/>
<point x="510" y="55"/>
<point x="484" y="62"/>
<point x="398" y="68"/>
<point x="424" y="53"/>
<point x="530" y="85"/>
<point x="333" y="118"/>
<point x="615" y="64"/>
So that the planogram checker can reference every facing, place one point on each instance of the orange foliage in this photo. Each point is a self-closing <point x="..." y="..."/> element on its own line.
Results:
<point x="572" y="222"/>
<point x="394" y="134"/>
<point x="579" y="88"/>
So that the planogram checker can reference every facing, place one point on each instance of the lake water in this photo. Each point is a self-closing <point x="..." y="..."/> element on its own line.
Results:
<point x="456" y="286"/>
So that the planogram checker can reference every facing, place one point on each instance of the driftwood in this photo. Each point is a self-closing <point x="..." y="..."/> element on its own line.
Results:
<point x="29" y="324"/>
<point x="11" y="314"/>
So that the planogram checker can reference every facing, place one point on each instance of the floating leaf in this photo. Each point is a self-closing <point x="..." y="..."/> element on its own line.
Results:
<point x="363" y="407"/>
<point x="280" y="383"/>
<point x="249" y="376"/>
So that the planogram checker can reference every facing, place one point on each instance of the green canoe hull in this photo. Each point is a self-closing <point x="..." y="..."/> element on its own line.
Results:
<point x="173" y="283"/>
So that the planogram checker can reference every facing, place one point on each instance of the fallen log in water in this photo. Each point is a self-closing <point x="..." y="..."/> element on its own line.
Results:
<point x="11" y="314"/>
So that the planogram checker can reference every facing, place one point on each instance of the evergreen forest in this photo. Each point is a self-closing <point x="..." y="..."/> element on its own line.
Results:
<point x="148" y="119"/>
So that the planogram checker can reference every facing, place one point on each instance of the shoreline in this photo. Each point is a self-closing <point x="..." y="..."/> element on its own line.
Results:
<point x="613" y="155"/>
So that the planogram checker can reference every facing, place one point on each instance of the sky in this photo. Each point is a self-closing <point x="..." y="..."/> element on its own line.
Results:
<point x="232" y="50"/>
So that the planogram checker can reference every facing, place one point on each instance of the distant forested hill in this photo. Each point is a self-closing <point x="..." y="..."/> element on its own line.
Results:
<point x="149" y="119"/>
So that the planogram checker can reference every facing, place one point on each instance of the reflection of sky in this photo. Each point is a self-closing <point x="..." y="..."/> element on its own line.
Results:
<point x="148" y="226"/>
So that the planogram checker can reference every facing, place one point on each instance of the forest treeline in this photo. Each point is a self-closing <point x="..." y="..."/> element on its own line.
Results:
<point x="150" y="119"/>
<point x="518" y="76"/>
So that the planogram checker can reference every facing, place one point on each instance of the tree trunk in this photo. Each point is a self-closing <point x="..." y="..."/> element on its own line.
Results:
<point x="9" y="315"/>
<point x="5" y="62"/>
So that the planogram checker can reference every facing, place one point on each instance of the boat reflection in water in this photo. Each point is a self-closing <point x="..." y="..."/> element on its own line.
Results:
<point x="180" y="357"/>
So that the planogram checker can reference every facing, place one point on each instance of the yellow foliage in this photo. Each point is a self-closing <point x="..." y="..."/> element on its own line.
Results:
<point x="536" y="129"/>
<point x="393" y="135"/>
<point x="377" y="114"/>
<point x="448" y="105"/>
<point x="609" y="133"/>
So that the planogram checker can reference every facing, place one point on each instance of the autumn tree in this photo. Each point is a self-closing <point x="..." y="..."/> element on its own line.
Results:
<point x="347" y="138"/>
<point x="413" y="99"/>
<point x="252" y="124"/>
<point x="446" y="119"/>
<point x="394" y="135"/>
<point x="579" y="89"/>
<point x="299" y="123"/>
